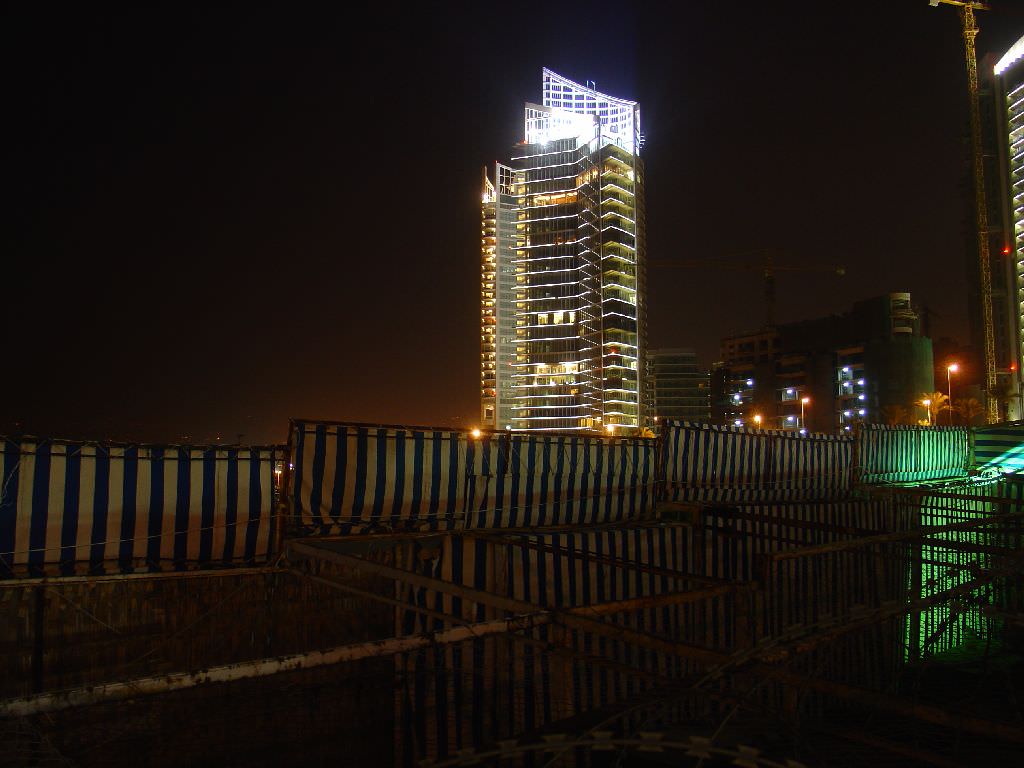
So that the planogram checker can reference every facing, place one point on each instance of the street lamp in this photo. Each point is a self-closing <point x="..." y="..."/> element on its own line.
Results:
<point x="950" y="370"/>
<point x="757" y="419"/>
<point x="928" y="404"/>
<point x="803" y="402"/>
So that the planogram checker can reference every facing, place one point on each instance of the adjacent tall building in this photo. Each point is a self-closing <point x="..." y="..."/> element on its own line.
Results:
<point x="563" y="299"/>
<point x="1005" y="183"/>
<point x="681" y="388"/>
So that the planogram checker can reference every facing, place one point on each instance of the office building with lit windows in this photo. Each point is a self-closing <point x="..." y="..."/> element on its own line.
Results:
<point x="563" y="316"/>
<point x="827" y="374"/>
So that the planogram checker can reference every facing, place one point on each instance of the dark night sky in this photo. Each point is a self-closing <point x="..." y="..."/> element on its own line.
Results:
<point x="220" y="219"/>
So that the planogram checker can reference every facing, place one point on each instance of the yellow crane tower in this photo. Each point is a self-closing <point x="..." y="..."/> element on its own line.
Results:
<point x="970" y="31"/>
<point x="767" y="268"/>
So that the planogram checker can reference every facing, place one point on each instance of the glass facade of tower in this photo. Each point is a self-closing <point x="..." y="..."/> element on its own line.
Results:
<point x="563" y="272"/>
<point x="1009" y="72"/>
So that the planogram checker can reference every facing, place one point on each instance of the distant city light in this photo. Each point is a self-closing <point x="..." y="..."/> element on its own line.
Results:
<point x="750" y="382"/>
<point x="846" y="413"/>
<point x="847" y="427"/>
<point x="475" y="433"/>
<point x="862" y="411"/>
<point x="803" y="431"/>
<point x="610" y="428"/>
<point x="791" y="418"/>
<point x="738" y="423"/>
<point x="789" y="391"/>
<point x="860" y="383"/>
<point x="736" y="397"/>
<point x="862" y="397"/>
<point x="846" y="369"/>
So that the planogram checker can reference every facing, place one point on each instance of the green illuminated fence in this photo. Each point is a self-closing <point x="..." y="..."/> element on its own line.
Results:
<point x="1000" y="446"/>
<point x="947" y="564"/>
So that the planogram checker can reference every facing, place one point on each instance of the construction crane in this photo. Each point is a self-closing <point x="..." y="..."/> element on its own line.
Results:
<point x="767" y="268"/>
<point x="970" y="31"/>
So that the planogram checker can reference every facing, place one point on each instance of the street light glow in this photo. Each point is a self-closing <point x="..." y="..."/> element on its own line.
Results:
<point x="475" y="433"/>
<point x="950" y="370"/>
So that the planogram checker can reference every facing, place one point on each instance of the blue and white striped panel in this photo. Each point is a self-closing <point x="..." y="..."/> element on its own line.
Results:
<point x="1000" y="447"/>
<point x="354" y="479"/>
<point x="704" y="462"/>
<point x="78" y="507"/>
<point x="902" y="454"/>
<point x="350" y="479"/>
<point x="519" y="480"/>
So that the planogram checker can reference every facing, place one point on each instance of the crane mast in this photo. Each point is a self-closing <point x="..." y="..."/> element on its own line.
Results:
<point x="981" y="214"/>
<point x="970" y="31"/>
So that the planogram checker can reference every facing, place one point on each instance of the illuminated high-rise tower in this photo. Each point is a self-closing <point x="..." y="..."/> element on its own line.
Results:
<point x="563" y="299"/>
<point x="1006" y="243"/>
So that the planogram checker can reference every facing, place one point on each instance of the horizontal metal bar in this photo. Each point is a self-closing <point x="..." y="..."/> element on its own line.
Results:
<point x="926" y="493"/>
<point x="788" y="522"/>
<point x="517" y="635"/>
<point x="597" y="558"/>
<point x="51" y="581"/>
<point x="955" y="721"/>
<point x="981" y="549"/>
<point x="94" y="694"/>
<point x="581" y="618"/>
<point x="867" y="541"/>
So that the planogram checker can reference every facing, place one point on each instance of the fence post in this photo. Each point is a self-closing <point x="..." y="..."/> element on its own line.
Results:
<point x="856" y="471"/>
<point x="38" y="629"/>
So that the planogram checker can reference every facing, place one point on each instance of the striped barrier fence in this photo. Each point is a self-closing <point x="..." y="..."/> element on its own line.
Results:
<point x="69" y="508"/>
<point x="353" y="478"/>
<point x="905" y="454"/>
<point x="705" y="462"/>
<point x="999" y="446"/>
